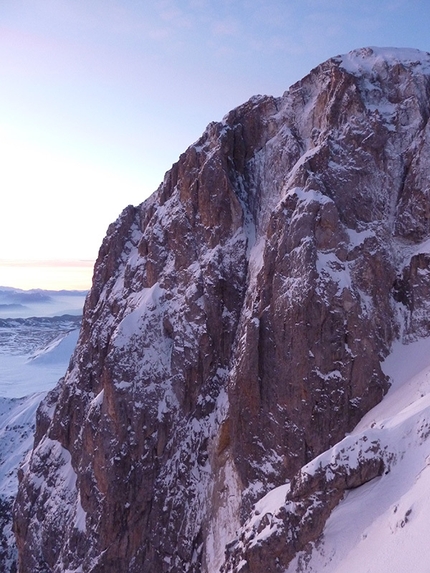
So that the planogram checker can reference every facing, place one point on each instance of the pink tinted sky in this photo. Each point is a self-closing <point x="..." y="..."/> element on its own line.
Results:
<point x="44" y="274"/>
<point x="99" y="97"/>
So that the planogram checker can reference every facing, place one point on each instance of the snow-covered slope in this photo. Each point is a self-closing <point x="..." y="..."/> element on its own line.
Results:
<point x="58" y="351"/>
<point x="35" y="353"/>
<point x="17" y="423"/>
<point x="382" y="525"/>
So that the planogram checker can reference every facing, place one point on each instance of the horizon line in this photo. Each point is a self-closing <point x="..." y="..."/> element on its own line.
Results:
<point x="47" y="262"/>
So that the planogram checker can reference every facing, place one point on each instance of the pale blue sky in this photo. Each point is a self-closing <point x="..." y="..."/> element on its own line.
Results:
<point x="99" y="97"/>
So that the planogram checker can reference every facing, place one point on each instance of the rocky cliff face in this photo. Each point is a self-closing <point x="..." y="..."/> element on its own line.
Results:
<point x="236" y="325"/>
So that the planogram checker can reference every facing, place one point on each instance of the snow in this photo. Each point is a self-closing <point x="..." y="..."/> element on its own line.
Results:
<point x="35" y="352"/>
<point x="146" y="301"/>
<point x="307" y="196"/>
<point x="365" y="60"/>
<point x="16" y="437"/>
<point x="408" y="366"/>
<point x="223" y="525"/>
<point x="59" y="351"/>
<point x="98" y="400"/>
<point x="23" y="384"/>
<point x="24" y="374"/>
<point x="329" y="266"/>
<point x="356" y="238"/>
<point x="20" y="378"/>
<point x="382" y="526"/>
<point x="81" y="515"/>
<point x="301" y="161"/>
<point x="256" y="259"/>
<point x="271" y="502"/>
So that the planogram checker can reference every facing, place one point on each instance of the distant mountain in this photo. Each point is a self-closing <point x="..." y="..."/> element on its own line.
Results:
<point x="21" y="296"/>
<point x="224" y="410"/>
<point x="17" y="303"/>
<point x="37" y="293"/>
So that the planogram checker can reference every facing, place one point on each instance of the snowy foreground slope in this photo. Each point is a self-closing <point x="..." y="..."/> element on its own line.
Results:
<point x="381" y="526"/>
<point x="236" y="334"/>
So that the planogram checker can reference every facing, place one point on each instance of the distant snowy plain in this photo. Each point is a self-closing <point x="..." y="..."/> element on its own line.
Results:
<point x="38" y="333"/>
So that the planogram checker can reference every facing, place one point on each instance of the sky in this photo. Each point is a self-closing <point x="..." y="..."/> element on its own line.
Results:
<point x="98" y="98"/>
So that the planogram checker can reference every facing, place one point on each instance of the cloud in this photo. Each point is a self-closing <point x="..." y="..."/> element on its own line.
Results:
<point x="159" y="33"/>
<point x="169" y="11"/>
<point x="225" y="28"/>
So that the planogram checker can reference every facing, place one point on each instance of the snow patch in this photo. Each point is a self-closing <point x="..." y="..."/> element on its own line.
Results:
<point x="81" y="516"/>
<point x="59" y="351"/>
<point x="365" y="60"/>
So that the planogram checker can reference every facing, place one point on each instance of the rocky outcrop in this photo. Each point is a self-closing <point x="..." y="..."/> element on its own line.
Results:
<point x="273" y="536"/>
<point x="236" y="323"/>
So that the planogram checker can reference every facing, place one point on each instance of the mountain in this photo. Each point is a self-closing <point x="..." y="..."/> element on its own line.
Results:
<point x="18" y="303"/>
<point x="235" y="335"/>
